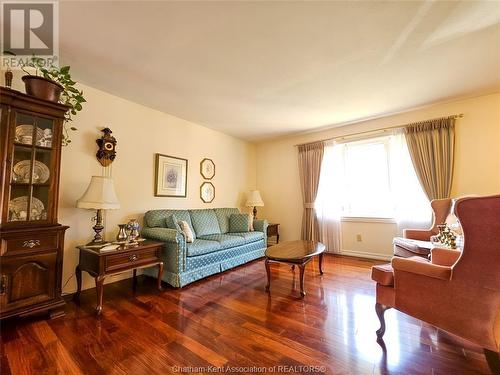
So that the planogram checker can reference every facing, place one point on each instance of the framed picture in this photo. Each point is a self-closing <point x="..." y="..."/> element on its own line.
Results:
<point x="207" y="192"/>
<point x="207" y="169"/>
<point x="170" y="176"/>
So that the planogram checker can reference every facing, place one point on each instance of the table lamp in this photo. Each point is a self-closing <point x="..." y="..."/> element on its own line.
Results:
<point x="254" y="200"/>
<point x="100" y="195"/>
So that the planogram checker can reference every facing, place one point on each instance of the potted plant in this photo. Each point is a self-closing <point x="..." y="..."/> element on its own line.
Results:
<point x="54" y="84"/>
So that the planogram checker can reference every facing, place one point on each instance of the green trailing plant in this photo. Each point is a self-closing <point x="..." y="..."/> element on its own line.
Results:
<point x="70" y="96"/>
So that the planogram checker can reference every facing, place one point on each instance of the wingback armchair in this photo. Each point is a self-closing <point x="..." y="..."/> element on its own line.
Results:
<point x="457" y="291"/>
<point x="410" y="244"/>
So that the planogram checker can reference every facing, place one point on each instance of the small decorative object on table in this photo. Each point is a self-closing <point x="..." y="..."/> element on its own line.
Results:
<point x="207" y="169"/>
<point x="446" y="236"/>
<point x="122" y="236"/>
<point x="207" y="192"/>
<point x="133" y="228"/>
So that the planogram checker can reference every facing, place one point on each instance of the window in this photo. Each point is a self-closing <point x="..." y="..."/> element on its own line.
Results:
<point x="371" y="178"/>
<point x="366" y="179"/>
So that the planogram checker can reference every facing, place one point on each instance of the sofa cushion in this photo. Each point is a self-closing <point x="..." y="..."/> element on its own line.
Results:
<point x="201" y="246"/>
<point x="383" y="274"/>
<point x="172" y="222"/>
<point x="223" y="215"/>
<point x="156" y="218"/>
<point x="204" y="222"/>
<point x="239" y="223"/>
<point x="250" y="236"/>
<point x="226" y="240"/>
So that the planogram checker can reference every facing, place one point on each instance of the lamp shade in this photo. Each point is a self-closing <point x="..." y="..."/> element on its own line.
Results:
<point x="254" y="199"/>
<point x="100" y="194"/>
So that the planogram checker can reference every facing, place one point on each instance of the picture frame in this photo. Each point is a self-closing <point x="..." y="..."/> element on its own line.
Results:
<point x="207" y="192"/>
<point x="207" y="169"/>
<point x="170" y="176"/>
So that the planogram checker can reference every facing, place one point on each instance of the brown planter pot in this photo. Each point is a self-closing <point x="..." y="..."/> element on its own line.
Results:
<point x="42" y="88"/>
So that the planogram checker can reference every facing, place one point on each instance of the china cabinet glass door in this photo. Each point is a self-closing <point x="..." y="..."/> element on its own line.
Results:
<point x="31" y="175"/>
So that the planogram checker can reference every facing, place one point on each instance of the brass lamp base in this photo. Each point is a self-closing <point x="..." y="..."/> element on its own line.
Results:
<point x="98" y="228"/>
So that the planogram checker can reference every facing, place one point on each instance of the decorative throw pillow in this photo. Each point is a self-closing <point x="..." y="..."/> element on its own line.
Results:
<point x="239" y="223"/>
<point x="172" y="222"/>
<point x="186" y="230"/>
<point x="250" y="223"/>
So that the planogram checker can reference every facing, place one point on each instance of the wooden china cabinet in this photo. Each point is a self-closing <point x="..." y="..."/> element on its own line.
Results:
<point x="31" y="240"/>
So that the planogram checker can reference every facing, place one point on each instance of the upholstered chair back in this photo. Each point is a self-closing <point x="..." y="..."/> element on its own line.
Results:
<point x="479" y="263"/>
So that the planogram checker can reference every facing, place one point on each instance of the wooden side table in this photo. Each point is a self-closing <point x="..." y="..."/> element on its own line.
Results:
<point x="273" y="231"/>
<point x="125" y="258"/>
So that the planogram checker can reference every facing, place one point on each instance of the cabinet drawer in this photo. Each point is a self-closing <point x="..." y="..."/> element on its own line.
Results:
<point x="130" y="259"/>
<point x="28" y="244"/>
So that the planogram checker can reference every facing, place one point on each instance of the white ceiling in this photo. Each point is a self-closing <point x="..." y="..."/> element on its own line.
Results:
<point x="263" y="69"/>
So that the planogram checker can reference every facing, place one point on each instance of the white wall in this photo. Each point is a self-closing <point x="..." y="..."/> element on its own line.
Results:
<point x="476" y="171"/>
<point x="141" y="132"/>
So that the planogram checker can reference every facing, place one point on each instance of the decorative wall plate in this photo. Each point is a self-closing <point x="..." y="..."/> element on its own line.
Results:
<point x="207" y="169"/>
<point x="41" y="172"/>
<point x="24" y="134"/>
<point x="18" y="209"/>
<point x="207" y="192"/>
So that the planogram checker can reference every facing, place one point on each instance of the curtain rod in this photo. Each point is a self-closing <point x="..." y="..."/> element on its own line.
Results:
<point x="380" y="129"/>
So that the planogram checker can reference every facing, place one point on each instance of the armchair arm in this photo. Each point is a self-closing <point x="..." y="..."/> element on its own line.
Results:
<point x="420" y="266"/>
<point x="174" y="254"/>
<point x="444" y="257"/>
<point x="418" y="234"/>
<point x="260" y="225"/>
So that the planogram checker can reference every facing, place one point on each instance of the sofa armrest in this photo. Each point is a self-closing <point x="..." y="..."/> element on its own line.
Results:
<point x="444" y="257"/>
<point x="260" y="226"/>
<point x="174" y="254"/>
<point x="420" y="266"/>
<point x="418" y="234"/>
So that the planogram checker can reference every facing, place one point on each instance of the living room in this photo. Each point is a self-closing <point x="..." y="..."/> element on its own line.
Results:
<point x="233" y="93"/>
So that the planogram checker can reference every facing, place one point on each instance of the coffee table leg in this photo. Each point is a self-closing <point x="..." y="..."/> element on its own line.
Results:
<point x="268" y="271"/>
<point x="160" y="272"/>
<point x="321" y="263"/>
<point x="302" y="291"/>
<point x="293" y="267"/>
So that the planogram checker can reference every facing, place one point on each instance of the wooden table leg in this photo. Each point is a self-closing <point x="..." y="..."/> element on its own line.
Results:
<point x="134" y="278"/>
<point x="160" y="273"/>
<point x="321" y="263"/>
<point x="268" y="271"/>
<point x="302" y="268"/>
<point x="99" y="285"/>
<point x="78" y="273"/>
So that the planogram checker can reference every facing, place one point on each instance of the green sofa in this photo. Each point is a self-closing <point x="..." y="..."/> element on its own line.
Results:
<point x="214" y="249"/>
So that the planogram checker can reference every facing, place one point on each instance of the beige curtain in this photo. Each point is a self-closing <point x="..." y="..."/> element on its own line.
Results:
<point x="310" y="158"/>
<point x="431" y="145"/>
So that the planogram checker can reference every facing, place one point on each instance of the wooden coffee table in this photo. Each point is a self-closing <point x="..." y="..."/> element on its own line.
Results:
<point x="296" y="253"/>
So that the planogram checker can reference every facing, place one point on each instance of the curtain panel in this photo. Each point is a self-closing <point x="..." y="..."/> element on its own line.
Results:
<point x="310" y="159"/>
<point x="431" y="145"/>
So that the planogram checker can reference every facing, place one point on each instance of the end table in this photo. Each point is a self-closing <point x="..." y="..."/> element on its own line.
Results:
<point x="273" y="230"/>
<point x="125" y="258"/>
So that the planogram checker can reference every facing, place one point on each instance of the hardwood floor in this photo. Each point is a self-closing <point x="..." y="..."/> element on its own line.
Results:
<point x="229" y="320"/>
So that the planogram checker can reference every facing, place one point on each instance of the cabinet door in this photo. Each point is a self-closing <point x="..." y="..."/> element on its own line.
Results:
<point x="27" y="280"/>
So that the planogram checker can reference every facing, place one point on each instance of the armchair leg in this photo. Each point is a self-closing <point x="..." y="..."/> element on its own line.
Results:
<point x="380" y="310"/>
<point x="493" y="359"/>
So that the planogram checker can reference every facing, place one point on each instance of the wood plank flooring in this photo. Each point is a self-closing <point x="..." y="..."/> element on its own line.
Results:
<point x="228" y="321"/>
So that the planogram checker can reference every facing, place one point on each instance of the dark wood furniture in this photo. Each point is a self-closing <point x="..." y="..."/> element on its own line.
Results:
<point x="125" y="258"/>
<point x="273" y="231"/>
<point x="31" y="240"/>
<point x="295" y="253"/>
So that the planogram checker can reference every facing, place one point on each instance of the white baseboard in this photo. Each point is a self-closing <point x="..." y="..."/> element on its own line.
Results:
<point x="365" y="254"/>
